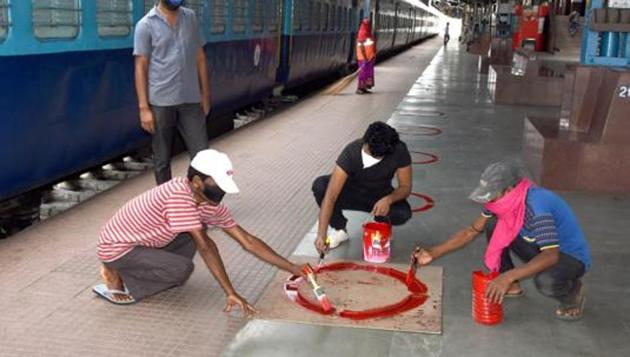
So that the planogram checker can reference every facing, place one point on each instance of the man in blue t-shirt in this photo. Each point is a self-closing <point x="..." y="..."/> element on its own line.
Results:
<point x="549" y="241"/>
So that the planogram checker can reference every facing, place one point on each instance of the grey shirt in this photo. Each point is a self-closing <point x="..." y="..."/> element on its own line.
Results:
<point x="172" y="54"/>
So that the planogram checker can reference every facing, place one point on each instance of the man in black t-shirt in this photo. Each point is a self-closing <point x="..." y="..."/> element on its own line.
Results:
<point x="362" y="181"/>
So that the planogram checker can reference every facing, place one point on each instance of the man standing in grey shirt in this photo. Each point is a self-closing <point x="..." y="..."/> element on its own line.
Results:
<point x="171" y="81"/>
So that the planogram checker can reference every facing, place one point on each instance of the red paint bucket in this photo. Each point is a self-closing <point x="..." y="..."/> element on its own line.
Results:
<point x="376" y="242"/>
<point x="484" y="311"/>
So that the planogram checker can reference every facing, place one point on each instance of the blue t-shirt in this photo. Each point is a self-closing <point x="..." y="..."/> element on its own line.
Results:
<point x="550" y="223"/>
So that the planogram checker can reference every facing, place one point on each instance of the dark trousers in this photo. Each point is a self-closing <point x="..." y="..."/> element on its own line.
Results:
<point x="190" y="121"/>
<point x="560" y="281"/>
<point x="350" y="199"/>
<point x="147" y="271"/>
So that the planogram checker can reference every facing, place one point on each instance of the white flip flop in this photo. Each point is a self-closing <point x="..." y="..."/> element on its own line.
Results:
<point x="102" y="291"/>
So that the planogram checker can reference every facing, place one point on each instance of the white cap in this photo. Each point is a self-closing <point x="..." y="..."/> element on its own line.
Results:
<point x="218" y="166"/>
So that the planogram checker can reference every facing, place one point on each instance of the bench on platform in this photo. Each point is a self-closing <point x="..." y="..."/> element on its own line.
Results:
<point x="525" y="82"/>
<point x="587" y="147"/>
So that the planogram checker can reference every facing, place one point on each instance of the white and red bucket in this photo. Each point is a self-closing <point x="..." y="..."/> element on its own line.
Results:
<point x="376" y="242"/>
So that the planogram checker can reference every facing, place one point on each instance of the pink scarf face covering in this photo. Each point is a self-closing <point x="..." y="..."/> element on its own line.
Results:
<point x="510" y="213"/>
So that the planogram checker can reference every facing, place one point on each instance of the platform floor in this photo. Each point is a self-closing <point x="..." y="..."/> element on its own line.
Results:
<point x="46" y="272"/>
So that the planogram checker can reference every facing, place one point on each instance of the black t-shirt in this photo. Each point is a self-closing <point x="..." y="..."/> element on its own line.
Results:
<point x="377" y="178"/>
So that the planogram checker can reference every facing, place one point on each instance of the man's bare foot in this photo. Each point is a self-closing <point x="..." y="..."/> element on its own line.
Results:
<point x="112" y="280"/>
<point x="515" y="290"/>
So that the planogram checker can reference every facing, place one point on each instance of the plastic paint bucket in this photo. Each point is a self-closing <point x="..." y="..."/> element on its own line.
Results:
<point x="484" y="311"/>
<point x="376" y="242"/>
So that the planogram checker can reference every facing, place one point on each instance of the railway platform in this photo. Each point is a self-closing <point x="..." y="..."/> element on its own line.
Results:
<point x="441" y="106"/>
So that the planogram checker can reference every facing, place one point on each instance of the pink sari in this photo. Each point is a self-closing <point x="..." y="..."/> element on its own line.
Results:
<point x="366" y="74"/>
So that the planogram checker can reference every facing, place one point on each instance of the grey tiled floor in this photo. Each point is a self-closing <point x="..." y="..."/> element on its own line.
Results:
<point x="474" y="133"/>
<point x="46" y="272"/>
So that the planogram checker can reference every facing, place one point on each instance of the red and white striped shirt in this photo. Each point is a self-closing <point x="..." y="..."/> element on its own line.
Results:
<point x="156" y="217"/>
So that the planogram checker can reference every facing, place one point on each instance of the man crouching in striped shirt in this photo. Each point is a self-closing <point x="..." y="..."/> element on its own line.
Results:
<point x="149" y="244"/>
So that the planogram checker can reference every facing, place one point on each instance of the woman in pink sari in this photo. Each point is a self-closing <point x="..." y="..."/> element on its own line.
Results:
<point x="366" y="56"/>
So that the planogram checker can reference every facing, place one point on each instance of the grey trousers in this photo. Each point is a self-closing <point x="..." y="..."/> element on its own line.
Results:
<point x="190" y="121"/>
<point x="147" y="271"/>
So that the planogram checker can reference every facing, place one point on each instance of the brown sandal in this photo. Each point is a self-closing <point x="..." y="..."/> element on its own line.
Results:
<point x="580" y="299"/>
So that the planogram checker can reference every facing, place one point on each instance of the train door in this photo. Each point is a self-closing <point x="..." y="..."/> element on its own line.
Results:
<point x="286" y="39"/>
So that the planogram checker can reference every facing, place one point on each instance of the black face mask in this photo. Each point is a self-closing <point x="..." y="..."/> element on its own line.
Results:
<point x="172" y="5"/>
<point x="213" y="193"/>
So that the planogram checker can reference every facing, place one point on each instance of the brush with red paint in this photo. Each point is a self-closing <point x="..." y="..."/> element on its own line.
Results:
<point x="413" y="266"/>
<point x="317" y="289"/>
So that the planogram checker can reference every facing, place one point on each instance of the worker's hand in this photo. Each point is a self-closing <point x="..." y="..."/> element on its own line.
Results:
<point x="147" y="120"/>
<point x="423" y="256"/>
<point x="247" y="309"/>
<point x="298" y="270"/>
<point x="498" y="287"/>
<point x="205" y="105"/>
<point x="381" y="208"/>
<point x="320" y="245"/>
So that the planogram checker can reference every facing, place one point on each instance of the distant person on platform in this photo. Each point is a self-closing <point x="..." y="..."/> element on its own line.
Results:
<point x="362" y="180"/>
<point x="149" y="244"/>
<point x="447" y="36"/>
<point x="366" y="57"/>
<point x="171" y="81"/>
<point x="535" y="224"/>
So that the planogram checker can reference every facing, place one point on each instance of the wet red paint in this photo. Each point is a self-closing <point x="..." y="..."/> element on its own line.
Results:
<point x="431" y="158"/>
<point x="411" y="275"/>
<point x="417" y="293"/>
<point x="429" y="202"/>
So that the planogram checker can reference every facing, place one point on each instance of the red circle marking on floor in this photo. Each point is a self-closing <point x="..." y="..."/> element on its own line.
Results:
<point x="418" y="130"/>
<point x="430" y="203"/>
<point x="417" y="293"/>
<point x="431" y="158"/>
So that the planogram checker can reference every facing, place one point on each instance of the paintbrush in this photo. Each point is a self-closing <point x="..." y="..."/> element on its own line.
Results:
<point x="323" y="253"/>
<point x="318" y="290"/>
<point x="413" y="266"/>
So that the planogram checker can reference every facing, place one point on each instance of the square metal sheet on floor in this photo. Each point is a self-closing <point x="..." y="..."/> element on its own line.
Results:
<point x="357" y="287"/>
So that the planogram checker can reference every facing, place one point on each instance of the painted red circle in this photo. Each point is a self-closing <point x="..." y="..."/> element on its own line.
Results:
<point x="431" y="158"/>
<point x="418" y="130"/>
<point x="430" y="203"/>
<point x="417" y="293"/>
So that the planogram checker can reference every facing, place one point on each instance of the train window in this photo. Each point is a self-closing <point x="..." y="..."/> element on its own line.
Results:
<point x="56" y="18"/>
<point x="4" y="19"/>
<point x="239" y="15"/>
<point x="257" y="22"/>
<point x="148" y="5"/>
<point x="273" y="14"/>
<point x="218" y="16"/>
<point x="197" y="7"/>
<point x="339" y="15"/>
<point x="113" y="17"/>
<point x="298" y="14"/>
<point x="307" y="22"/>
<point x="331" y="17"/>
<point x="315" y="17"/>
